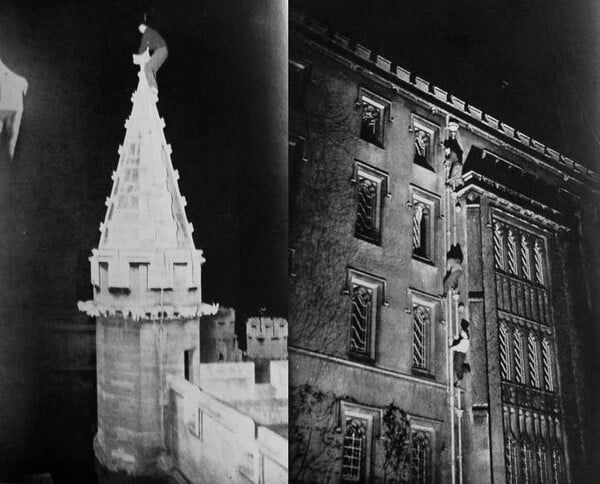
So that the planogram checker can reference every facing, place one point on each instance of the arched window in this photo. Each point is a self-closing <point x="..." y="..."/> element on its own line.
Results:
<point x="518" y="356"/>
<point x="421" y="328"/>
<point x="525" y="257"/>
<point x="420" y="458"/>
<point x="527" y="462"/>
<point x="532" y="356"/>
<point x="511" y="455"/>
<point x="558" y="471"/>
<point x="498" y="246"/>
<point x="538" y="261"/>
<point x="420" y="232"/>
<point x="543" y="466"/>
<point x="353" y="456"/>
<point x="362" y="314"/>
<point x="511" y="249"/>
<point x="547" y="365"/>
<point x="366" y="211"/>
<point x="504" y="352"/>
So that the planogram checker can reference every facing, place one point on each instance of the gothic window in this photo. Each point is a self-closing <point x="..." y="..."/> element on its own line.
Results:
<point x="504" y="356"/>
<point x="423" y="224"/>
<point x="511" y="252"/>
<point x="366" y="293"/>
<point x="498" y="246"/>
<point x="538" y="261"/>
<point x="525" y="257"/>
<point x="420" y="461"/>
<point x="362" y="318"/>
<point x="543" y="466"/>
<point x="512" y="460"/>
<point x="518" y="356"/>
<point x="557" y="465"/>
<point x="420" y="224"/>
<point x="547" y="365"/>
<point x="370" y="184"/>
<point x="354" y="450"/>
<point x="527" y="462"/>
<point x="373" y="110"/>
<point x="298" y="81"/>
<point x="421" y="338"/>
<point x="424" y="142"/>
<point x="532" y="356"/>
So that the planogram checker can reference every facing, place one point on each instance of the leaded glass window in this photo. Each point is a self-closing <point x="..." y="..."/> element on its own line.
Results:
<point x="504" y="354"/>
<point x="498" y="246"/>
<point x="362" y="319"/>
<point x="532" y="356"/>
<point x="421" y="328"/>
<point x="518" y="356"/>
<point x="370" y="185"/>
<point x="547" y="365"/>
<point x="538" y="261"/>
<point x="527" y="462"/>
<point x="420" y="229"/>
<point x="372" y="115"/>
<point x="525" y="257"/>
<point x="543" y="466"/>
<point x="512" y="460"/>
<point x="366" y="209"/>
<point x="420" y="458"/>
<point x="511" y="251"/>
<point x="353" y="456"/>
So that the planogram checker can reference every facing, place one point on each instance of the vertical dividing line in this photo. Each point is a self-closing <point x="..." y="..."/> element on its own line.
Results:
<point x="449" y="329"/>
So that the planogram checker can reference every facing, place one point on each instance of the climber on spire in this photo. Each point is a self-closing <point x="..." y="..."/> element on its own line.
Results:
<point x="156" y="46"/>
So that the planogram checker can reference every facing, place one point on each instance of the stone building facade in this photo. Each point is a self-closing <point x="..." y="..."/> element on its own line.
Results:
<point x="412" y="210"/>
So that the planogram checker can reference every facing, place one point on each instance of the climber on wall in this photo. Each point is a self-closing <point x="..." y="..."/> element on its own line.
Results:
<point x="459" y="347"/>
<point x="156" y="46"/>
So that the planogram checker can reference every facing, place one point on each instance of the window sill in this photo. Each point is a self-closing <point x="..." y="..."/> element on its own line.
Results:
<point x="371" y="240"/>
<point x="423" y="260"/>
<point x="423" y="373"/>
<point x="377" y="144"/>
<point x="362" y="358"/>
<point x="424" y="165"/>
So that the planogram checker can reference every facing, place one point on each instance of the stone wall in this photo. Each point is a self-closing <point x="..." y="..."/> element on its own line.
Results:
<point x="211" y="441"/>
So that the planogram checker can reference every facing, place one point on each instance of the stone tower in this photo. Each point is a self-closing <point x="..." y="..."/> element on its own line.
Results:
<point x="147" y="301"/>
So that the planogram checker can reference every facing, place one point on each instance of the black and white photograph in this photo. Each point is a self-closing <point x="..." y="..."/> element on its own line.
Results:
<point x="444" y="233"/>
<point x="143" y="317"/>
<point x="305" y="241"/>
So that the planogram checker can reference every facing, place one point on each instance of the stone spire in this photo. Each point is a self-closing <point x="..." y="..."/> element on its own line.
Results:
<point x="146" y="256"/>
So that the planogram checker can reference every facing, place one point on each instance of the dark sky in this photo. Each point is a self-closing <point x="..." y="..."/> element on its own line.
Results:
<point x="222" y="94"/>
<point x="533" y="64"/>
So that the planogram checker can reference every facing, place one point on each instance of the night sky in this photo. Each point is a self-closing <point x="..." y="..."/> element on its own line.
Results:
<point x="222" y="93"/>
<point x="534" y="65"/>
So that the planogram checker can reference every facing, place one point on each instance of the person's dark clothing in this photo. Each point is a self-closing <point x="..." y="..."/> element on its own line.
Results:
<point x="151" y="40"/>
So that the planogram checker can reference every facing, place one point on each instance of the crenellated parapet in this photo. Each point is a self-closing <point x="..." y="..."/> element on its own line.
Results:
<point x="267" y="338"/>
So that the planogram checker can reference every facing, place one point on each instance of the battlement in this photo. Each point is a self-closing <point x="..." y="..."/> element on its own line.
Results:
<point x="218" y="340"/>
<point x="401" y="78"/>
<point x="267" y="338"/>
